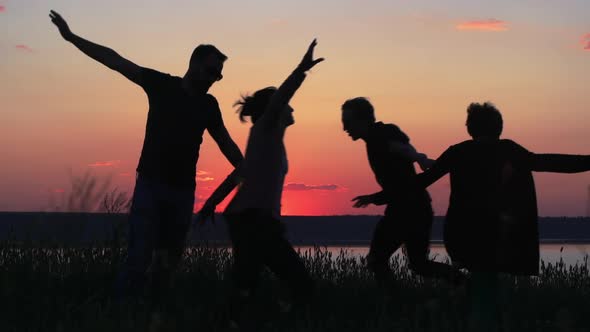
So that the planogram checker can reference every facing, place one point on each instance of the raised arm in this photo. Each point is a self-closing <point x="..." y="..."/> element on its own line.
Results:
<point x="285" y="92"/>
<point x="104" y="55"/>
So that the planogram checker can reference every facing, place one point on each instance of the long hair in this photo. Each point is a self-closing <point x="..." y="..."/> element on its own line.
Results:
<point x="254" y="105"/>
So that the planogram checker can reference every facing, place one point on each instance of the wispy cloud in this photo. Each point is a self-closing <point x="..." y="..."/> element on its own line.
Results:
<point x="125" y="174"/>
<point x="205" y="179"/>
<point x="585" y="41"/>
<point x="491" y="24"/>
<point x="58" y="190"/>
<point x="306" y="187"/>
<point x="24" y="48"/>
<point x="104" y="163"/>
<point x="201" y="172"/>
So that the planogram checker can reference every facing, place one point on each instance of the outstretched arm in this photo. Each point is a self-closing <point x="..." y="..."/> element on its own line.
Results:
<point x="226" y="144"/>
<point x="560" y="163"/>
<point x="230" y="182"/>
<point x="409" y="152"/>
<point x="378" y="198"/>
<point x="285" y="92"/>
<point x="437" y="170"/>
<point x="104" y="55"/>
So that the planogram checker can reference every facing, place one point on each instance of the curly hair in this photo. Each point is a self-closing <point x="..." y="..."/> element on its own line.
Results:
<point x="484" y="120"/>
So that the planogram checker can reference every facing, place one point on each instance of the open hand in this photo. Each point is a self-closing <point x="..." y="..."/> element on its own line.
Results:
<point x="363" y="201"/>
<point x="425" y="163"/>
<point x="308" y="62"/>
<point x="61" y="24"/>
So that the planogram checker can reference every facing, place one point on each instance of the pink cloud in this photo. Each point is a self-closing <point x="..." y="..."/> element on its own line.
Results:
<point x="491" y="24"/>
<point x="58" y="190"/>
<point x="586" y="42"/>
<point x="201" y="172"/>
<point x="125" y="174"/>
<point x="276" y="22"/>
<point x="24" y="48"/>
<point x="2" y="9"/>
<point x="305" y="187"/>
<point x="104" y="163"/>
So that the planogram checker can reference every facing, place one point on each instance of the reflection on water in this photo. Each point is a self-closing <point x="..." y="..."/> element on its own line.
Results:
<point x="571" y="254"/>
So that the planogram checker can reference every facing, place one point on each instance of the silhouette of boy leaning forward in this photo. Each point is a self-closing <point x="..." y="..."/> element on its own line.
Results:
<point x="408" y="215"/>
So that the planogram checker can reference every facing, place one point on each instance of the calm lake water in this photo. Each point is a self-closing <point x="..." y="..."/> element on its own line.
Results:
<point x="571" y="254"/>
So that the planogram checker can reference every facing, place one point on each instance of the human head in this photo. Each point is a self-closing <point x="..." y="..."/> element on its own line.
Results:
<point x="357" y="116"/>
<point x="205" y="67"/>
<point x="484" y="120"/>
<point x="255" y="105"/>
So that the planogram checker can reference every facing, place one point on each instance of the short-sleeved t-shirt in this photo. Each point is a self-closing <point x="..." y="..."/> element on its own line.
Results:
<point x="174" y="130"/>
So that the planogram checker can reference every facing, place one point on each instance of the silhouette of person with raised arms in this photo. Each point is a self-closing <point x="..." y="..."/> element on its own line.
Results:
<point x="253" y="215"/>
<point x="180" y="110"/>
<point x="408" y="215"/>
<point x="491" y="221"/>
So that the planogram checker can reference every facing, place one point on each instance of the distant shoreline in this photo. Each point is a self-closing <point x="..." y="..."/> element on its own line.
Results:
<point x="347" y="230"/>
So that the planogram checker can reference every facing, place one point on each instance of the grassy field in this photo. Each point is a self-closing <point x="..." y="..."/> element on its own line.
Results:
<point x="68" y="289"/>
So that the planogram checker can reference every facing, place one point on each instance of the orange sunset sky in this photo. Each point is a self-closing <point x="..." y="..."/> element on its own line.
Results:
<point x="420" y="63"/>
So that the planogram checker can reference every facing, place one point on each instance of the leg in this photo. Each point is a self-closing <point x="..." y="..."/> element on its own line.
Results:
<point x="387" y="238"/>
<point x="483" y="296"/>
<point x="176" y="218"/>
<point x="419" y="224"/>
<point x="283" y="260"/>
<point x="247" y="265"/>
<point x="142" y="223"/>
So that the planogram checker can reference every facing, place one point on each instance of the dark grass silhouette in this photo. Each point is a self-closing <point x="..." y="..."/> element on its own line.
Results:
<point x="63" y="289"/>
<point x="90" y="193"/>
